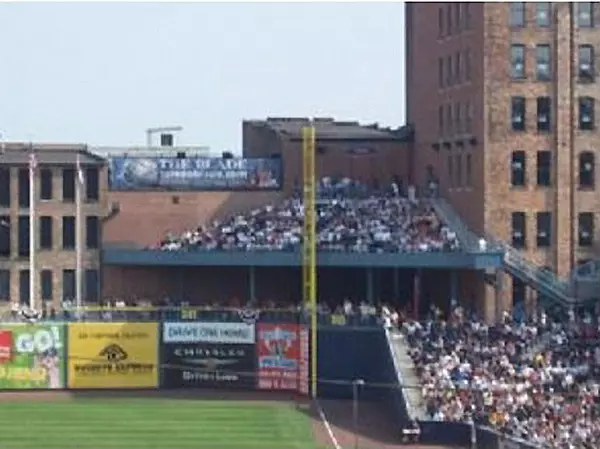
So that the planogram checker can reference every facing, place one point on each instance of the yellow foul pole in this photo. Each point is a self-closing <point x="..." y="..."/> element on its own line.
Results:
<point x="309" y="249"/>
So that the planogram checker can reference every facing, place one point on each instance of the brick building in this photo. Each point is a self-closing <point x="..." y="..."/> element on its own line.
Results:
<point x="56" y="224"/>
<point x="369" y="153"/>
<point x="502" y="99"/>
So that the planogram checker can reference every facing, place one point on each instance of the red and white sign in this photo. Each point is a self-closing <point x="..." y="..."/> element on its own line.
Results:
<point x="6" y="345"/>
<point x="304" y="360"/>
<point x="279" y="353"/>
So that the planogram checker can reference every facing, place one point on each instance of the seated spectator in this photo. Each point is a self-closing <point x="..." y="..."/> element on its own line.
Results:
<point x="535" y="380"/>
<point x="350" y="217"/>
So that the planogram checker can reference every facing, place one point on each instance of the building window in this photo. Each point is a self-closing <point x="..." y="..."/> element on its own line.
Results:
<point x="5" y="236"/>
<point x="585" y="14"/>
<point x="23" y="243"/>
<point x="458" y="16"/>
<point x="519" y="290"/>
<point x="457" y="118"/>
<point x="587" y="170"/>
<point x="518" y="113"/>
<point x="441" y="120"/>
<point x="519" y="230"/>
<point x="449" y="120"/>
<point x="23" y="187"/>
<point x="68" y="177"/>
<point x="24" y="287"/>
<point x="46" y="233"/>
<point x="543" y="62"/>
<point x="459" y="177"/>
<point x="468" y="65"/>
<point x="68" y="285"/>
<point x="449" y="80"/>
<point x="441" y="72"/>
<point x="467" y="10"/>
<point x="587" y="69"/>
<point x="92" y="238"/>
<point x="451" y="170"/>
<point x="441" y="22"/>
<point x="586" y="229"/>
<point x="544" y="168"/>
<point x="449" y="18"/>
<point x="586" y="113"/>
<point x="45" y="184"/>
<point x="457" y="68"/>
<point x="68" y="232"/>
<point x="468" y="117"/>
<point x="92" y="286"/>
<point x="544" y="229"/>
<point x="543" y="13"/>
<point x="518" y="169"/>
<point x="517" y="61"/>
<point x="544" y="114"/>
<point x="469" y="170"/>
<point x="517" y="14"/>
<point x="4" y="187"/>
<point x="4" y="285"/>
<point x="46" y="285"/>
<point x="92" y="184"/>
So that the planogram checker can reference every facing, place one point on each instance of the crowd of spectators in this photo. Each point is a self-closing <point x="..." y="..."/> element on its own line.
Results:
<point x="350" y="217"/>
<point x="536" y="380"/>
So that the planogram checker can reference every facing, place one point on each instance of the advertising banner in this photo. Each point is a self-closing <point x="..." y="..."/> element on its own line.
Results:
<point x="279" y="356"/>
<point x="32" y="356"/>
<point x="210" y="355"/>
<point x="194" y="173"/>
<point x="113" y="355"/>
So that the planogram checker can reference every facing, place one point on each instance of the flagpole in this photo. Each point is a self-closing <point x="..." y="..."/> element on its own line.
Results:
<point x="32" y="227"/>
<point x="79" y="235"/>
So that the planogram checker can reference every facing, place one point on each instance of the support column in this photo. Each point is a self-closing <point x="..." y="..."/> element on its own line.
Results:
<point x="369" y="280"/>
<point x="453" y="288"/>
<point x="417" y="293"/>
<point x="396" y="281"/>
<point x="251" y="284"/>
<point x="499" y="300"/>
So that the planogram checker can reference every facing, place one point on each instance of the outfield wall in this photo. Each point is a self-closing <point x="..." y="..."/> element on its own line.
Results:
<point x="187" y="354"/>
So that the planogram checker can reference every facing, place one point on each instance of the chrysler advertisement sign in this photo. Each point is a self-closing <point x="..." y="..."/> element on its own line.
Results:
<point x="212" y="355"/>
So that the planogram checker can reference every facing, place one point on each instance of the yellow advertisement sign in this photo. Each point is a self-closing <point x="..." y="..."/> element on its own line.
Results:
<point x="113" y="355"/>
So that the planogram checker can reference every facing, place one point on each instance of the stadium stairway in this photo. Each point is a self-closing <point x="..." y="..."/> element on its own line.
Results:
<point x="405" y="367"/>
<point x="553" y="290"/>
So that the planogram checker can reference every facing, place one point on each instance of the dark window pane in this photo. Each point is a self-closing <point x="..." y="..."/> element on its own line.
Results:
<point x="518" y="113"/>
<point x="519" y="230"/>
<point x="23" y="244"/>
<point x="4" y="187"/>
<point x="518" y="168"/>
<point x="92" y="185"/>
<point x="92" y="239"/>
<point x="586" y="229"/>
<point x="585" y="14"/>
<point x="587" y="66"/>
<point x="24" y="286"/>
<point x="543" y="63"/>
<point x="46" y="284"/>
<point x="544" y="166"/>
<point x="544" y="113"/>
<point x="4" y="285"/>
<point x="68" y="184"/>
<point x="517" y="14"/>
<point x="543" y="12"/>
<point x="68" y="285"/>
<point x="586" y="113"/>
<point x="92" y="285"/>
<point x="544" y="228"/>
<point x="45" y="184"/>
<point x="517" y="61"/>
<point x="587" y="170"/>
<point x="68" y="232"/>
<point x="46" y="232"/>
<point x="23" y="187"/>
<point x="5" y="236"/>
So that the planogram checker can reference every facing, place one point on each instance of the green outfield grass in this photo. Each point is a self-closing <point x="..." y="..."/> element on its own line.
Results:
<point x="153" y="424"/>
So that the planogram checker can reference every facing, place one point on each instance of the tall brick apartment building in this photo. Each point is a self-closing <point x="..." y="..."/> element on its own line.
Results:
<point x="56" y="227"/>
<point x="502" y="97"/>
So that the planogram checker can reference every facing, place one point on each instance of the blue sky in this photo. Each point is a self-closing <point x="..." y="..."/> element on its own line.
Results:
<point x="101" y="73"/>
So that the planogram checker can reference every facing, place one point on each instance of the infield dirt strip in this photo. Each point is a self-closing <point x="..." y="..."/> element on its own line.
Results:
<point x="375" y="429"/>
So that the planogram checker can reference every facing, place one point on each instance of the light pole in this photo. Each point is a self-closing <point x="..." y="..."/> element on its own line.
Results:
<point x="355" y="384"/>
